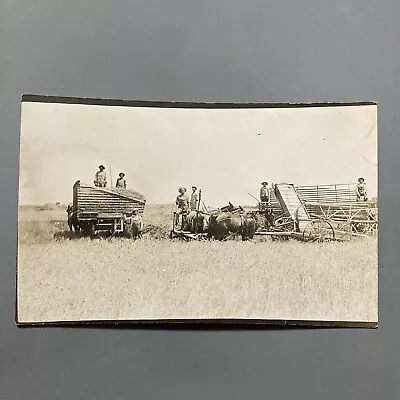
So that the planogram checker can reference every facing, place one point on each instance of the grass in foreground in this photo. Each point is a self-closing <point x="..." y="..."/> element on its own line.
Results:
<point x="83" y="279"/>
<point x="123" y="279"/>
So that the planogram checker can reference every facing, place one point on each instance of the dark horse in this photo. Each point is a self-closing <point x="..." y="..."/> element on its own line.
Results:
<point x="196" y="222"/>
<point x="72" y="220"/>
<point x="224" y="224"/>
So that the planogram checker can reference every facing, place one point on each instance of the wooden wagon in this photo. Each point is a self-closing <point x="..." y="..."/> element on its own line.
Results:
<point x="105" y="209"/>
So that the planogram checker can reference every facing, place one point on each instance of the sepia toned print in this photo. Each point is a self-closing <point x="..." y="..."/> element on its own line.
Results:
<point x="182" y="212"/>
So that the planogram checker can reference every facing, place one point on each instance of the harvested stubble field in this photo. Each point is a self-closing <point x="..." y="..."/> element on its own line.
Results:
<point x="63" y="278"/>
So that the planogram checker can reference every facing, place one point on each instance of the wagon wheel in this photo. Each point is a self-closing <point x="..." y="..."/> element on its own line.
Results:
<point x="92" y="230"/>
<point x="319" y="230"/>
<point x="85" y="229"/>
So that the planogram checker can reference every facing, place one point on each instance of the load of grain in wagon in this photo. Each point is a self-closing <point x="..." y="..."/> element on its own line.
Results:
<point x="109" y="210"/>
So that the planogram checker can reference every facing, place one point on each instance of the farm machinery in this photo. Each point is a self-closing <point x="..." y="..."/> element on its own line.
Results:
<point x="307" y="213"/>
<point x="104" y="209"/>
<point x="316" y="213"/>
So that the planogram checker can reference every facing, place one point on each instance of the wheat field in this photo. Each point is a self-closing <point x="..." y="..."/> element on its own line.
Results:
<point x="64" y="278"/>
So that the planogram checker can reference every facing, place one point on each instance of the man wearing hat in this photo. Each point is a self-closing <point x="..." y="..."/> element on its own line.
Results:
<point x="194" y="199"/>
<point x="182" y="201"/>
<point x="100" y="179"/>
<point x="361" y="190"/>
<point x="121" y="182"/>
<point x="264" y="192"/>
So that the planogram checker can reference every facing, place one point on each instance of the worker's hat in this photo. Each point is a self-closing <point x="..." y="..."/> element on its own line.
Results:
<point x="121" y="174"/>
<point x="180" y="189"/>
<point x="102" y="166"/>
<point x="194" y="187"/>
<point x="264" y="183"/>
<point x="361" y="179"/>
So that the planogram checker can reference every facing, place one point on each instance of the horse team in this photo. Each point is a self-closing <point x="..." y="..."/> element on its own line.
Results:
<point x="222" y="224"/>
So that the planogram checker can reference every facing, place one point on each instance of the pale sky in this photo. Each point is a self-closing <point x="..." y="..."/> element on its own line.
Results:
<point x="225" y="152"/>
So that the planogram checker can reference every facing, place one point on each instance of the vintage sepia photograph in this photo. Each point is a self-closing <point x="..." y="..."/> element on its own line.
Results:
<point x="134" y="211"/>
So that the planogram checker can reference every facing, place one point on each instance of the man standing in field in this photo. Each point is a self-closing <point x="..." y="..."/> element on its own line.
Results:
<point x="194" y="199"/>
<point x="361" y="190"/>
<point x="137" y="225"/>
<point x="121" y="182"/>
<point x="182" y="201"/>
<point x="100" y="179"/>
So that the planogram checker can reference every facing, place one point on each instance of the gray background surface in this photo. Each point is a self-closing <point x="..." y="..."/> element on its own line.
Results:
<point x="217" y="51"/>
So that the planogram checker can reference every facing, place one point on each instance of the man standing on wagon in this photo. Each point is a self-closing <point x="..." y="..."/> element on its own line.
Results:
<point x="194" y="199"/>
<point x="264" y="192"/>
<point x="100" y="179"/>
<point x="361" y="190"/>
<point x="182" y="201"/>
<point x="121" y="181"/>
